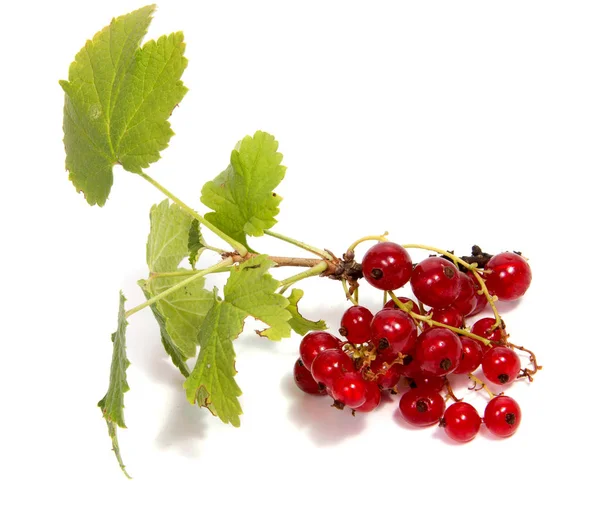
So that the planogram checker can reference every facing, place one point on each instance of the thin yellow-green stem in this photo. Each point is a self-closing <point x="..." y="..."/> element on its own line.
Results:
<point x="428" y="320"/>
<point x="379" y="238"/>
<point x="482" y="384"/>
<point x="319" y="268"/>
<point x="301" y="245"/>
<point x="347" y="291"/>
<point x="240" y="248"/>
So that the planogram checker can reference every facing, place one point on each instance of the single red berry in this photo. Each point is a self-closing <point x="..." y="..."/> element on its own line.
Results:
<point x="410" y="366"/>
<point x="471" y="356"/>
<point x="387" y="266"/>
<point x="373" y="398"/>
<point x="350" y="389"/>
<point x="394" y="330"/>
<point x="435" y="282"/>
<point x="509" y="276"/>
<point x="304" y="380"/>
<point x="356" y="325"/>
<point x="391" y="304"/>
<point x="502" y="416"/>
<point x="314" y="343"/>
<point x="467" y="295"/>
<point x="438" y="350"/>
<point x="480" y="299"/>
<point x="448" y="315"/>
<point x="461" y="422"/>
<point x="501" y="365"/>
<point x="483" y="328"/>
<point x="331" y="364"/>
<point x="386" y="374"/>
<point x="422" y="407"/>
<point x="424" y="380"/>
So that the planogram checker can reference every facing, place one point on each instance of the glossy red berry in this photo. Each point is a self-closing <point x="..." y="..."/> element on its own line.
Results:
<point x="461" y="422"/>
<point x="435" y="282"/>
<point x="466" y="301"/>
<point x="438" y="350"/>
<point x="480" y="299"/>
<point x="422" y="407"/>
<point x="501" y="365"/>
<point x="471" y="356"/>
<point x="502" y="416"/>
<point x="387" y="266"/>
<point x="314" y="343"/>
<point x="394" y="330"/>
<point x="331" y="364"/>
<point x="424" y="380"/>
<point x="350" y="389"/>
<point x="391" y="304"/>
<point x="373" y="398"/>
<point x="356" y="325"/>
<point x="509" y="276"/>
<point x="448" y="315"/>
<point x="410" y="367"/>
<point x="384" y="373"/>
<point x="483" y="328"/>
<point x="304" y="380"/>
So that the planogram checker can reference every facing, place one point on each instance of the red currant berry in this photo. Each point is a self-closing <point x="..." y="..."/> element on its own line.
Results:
<point x="438" y="350"/>
<point x="422" y="407"/>
<point x="509" y="276"/>
<point x="387" y="266"/>
<point x="350" y="389"/>
<point x="480" y="299"/>
<point x="435" y="282"/>
<point x="391" y="304"/>
<point x="304" y="380"/>
<point x="356" y="325"/>
<point x="373" y="398"/>
<point x="467" y="295"/>
<point x="385" y="374"/>
<point x="394" y="330"/>
<point x="331" y="364"/>
<point x="483" y="328"/>
<point x="471" y="356"/>
<point x="314" y="343"/>
<point x="502" y="416"/>
<point x="461" y="422"/>
<point x="501" y="365"/>
<point x="410" y="366"/>
<point x="448" y="315"/>
<point x="424" y="380"/>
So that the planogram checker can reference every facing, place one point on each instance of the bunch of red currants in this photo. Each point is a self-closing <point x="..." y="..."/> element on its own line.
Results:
<point x="423" y="348"/>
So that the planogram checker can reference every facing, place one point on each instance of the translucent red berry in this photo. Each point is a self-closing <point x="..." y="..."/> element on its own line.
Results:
<point x="422" y="407"/>
<point x="329" y="365"/>
<point x="502" y="416"/>
<point x="466" y="301"/>
<point x="509" y="276"/>
<point x="483" y="328"/>
<point x="461" y="422"/>
<point x="387" y="266"/>
<point x="391" y="304"/>
<point x="471" y="356"/>
<point x="394" y="330"/>
<point x="501" y="365"/>
<point x="435" y="282"/>
<point x="314" y="343"/>
<point x="448" y="315"/>
<point x="438" y="350"/>
<point x="304" y="380"/>
<point x="480" y="299"/>
<point x="356" y="325"/>
<point x="350" y="389"/>
<point x="373" y="398"/>
<point x="383" y="372"/>
<point x="424" y="380"/>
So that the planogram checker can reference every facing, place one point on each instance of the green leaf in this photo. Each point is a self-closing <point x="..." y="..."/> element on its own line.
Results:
<point x="112" y="402"/>
<point x="299" y="323"/>
<point x="252" y="289"/>
<point x="249" y="292"/>
<point x="195" y="242"/>
<point x="178" y="358"/>
<point x="118" y="99"/>
<point x="167" y="242"/>
<point x="242" y="195"/>
<point x="212" y="381"/>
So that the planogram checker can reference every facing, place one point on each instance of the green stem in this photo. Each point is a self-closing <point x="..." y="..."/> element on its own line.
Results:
<point x="347" y="291"/>
<point x="200" y="273"/>
<point x="319" y="268"/>
<point x="301" y="245"/>
<point x="379" y="238"/>
<point x="241" y="249"/>
<point x="184" y="273"/>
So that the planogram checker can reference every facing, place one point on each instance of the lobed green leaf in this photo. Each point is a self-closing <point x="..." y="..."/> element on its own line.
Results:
<point x="298" y="322"/>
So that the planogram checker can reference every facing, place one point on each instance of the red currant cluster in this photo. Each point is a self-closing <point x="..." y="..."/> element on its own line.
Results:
<point x="424" y="347"/>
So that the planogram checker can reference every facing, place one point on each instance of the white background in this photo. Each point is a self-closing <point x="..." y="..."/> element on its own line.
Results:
<point x="444" y="123"/>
